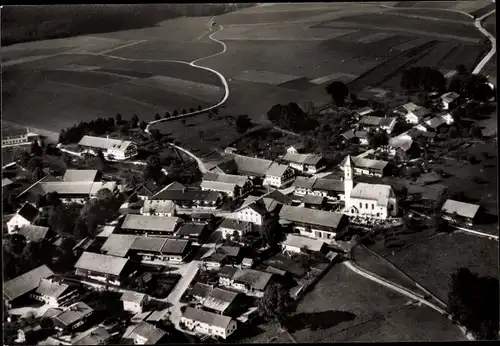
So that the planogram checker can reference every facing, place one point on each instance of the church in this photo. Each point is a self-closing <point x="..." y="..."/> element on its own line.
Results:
<point x="376" y="201"/>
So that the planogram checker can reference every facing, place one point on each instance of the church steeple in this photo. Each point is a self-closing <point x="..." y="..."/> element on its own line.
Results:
<point x="348" y="177"/>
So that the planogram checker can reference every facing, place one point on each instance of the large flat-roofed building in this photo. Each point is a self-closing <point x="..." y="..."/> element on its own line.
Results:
<point x="112" y="148"/>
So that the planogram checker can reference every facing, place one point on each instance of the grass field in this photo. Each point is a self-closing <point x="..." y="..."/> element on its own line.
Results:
<point x="432" y="263"/>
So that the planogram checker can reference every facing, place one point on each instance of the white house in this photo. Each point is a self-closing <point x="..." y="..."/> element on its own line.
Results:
<point x="244" y="183"/>
<point x="255" y="209"/>
<point x="54" y="293"/>
<point x="296" y="244"/>
<point x="278" y="175"/>
<point x="377" y="123"/>
<point x="306" y="163"/>
<point x="25" y="216"/>
<point x="253" y="212"/>
<point x="158" y="208"/>
<point x="446" y="116"/>
<point x="134" y="301"/>
<point x="112" y="148"/>
<point x="208" y="323"/>
<point x="450" y="100"/>
<point x="229" y="189"/>
<point x="14" y="137"/>
<point x="412" y="113"/>
<point x="364" y="166"/>
<point x="367" y="200"/>
<point x="143" y="333"/>
<point x="296" y="148"/>
<point x="228" y="227"/>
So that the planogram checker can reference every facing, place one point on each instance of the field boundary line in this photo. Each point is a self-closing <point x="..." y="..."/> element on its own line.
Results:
<point x="122" y="46"/>
<point x="430" y="9"/>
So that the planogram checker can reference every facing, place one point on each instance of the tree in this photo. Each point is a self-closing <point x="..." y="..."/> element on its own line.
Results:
<point x="453" y="132"/>
<point x="199" y="108"/>
<point x="423" y="78"/>
<point x="338" y="91"/>
<point x="104" y="195"/>
<point x="23" y="157"/>
<point x="271" y="232"/>
<point x="142" y="125"/>
<point x="134" y="121"/>
<point x="156" y="135"/>
<point x="123" y="128"/>
<point x="473" y="301"/>
<point x="377" y="139"/>
<point x="243" y="123"/>
<point x="275" y="305"/>
<point x="35" y="162"/>
<point x="53" y="199"/>
<point x="175" y="113"/>
<point x="153" y="167"/>
<point x="167" y="115"/>
<point x="191" y="110"/>
<point x="37" y="174"/>
<point x="118" y="119"/>
<point x="184" y="111"/>
<point x="157" y="116"/>
<point x="35" y="149"/>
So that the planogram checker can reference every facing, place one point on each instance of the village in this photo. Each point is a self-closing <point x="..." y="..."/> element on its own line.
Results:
<point x="112" y="260"/>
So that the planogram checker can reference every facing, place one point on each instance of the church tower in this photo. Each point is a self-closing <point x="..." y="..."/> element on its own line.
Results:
<point x="348" y="178"/>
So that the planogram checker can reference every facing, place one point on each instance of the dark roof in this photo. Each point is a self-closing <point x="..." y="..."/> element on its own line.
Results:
<point x="328" y="185"/>
<point x="101" y="263"/>
<point x="153" y="244"/>
<point x="191" y="229"/>
<point x="29" y="212"/>
<point x="26" y="282"/>
<point x="187" y="195"/>
<point x="303" y="182"/>
<point x="228" y="166"/>
<point x="313" y="199"/>
<point x="34" y="233"/>
<point x="227" y="271"/>
<point x="209" y="318"/>
<point x="146" y="330"/>
<point x="200" y="289"/>
<point x="311" y="216"/>
<point x="175" y="246"/>
<point x="233" y="224"/>
<point x="232" y="251"/>
<point x="73" y="314"/>
<point x="257" y="279"/>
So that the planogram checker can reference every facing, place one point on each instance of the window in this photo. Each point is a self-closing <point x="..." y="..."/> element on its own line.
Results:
<point x="378" y="214"/>
<point x="373" y="206"/>
<point x="366" y="205"/>
<point x="360" y="205"/>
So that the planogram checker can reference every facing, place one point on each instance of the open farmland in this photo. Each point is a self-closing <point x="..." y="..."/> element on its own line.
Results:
<point x="490" y="24"/>
<point x="431" y="263"/>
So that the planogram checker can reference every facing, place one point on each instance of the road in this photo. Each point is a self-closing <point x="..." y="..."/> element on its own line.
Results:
<point x="492" y="39"/>
<point x="201" y="164"/>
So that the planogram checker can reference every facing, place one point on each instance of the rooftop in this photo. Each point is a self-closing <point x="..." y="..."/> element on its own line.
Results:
<point x="306" y="159"/>
<point x="101" y="263"/>
<point x="175" y="246"/>
<point x="152" y="244"/>
<point x="102" y="143"/>
<point x="366" y="163"/>
<point x="209" y="318"/>
<point x="364" y="110"/>
<point x="34" y="233"/>
<point x="324" y="184"/>
<point x="76" y="175"/>
<point x="313" y="199"/>
<point x="462" y="209"/>
<point x="449" y="96"/>
<point x="311" y="216"/>
<point x="158" y="206"/>
<point x="187" y="195"/>
<point x="150" y="223"/>
<point x="200" y="290"/>
<point x="257" y="279"/>
<point x="276" y="169"/>
<point x="133" y="297"/>
<point x="94" y="336"/>
<point x="234" y="224"/>
<point x="251" y="165"/>
<point x="51" y="288"/>
<point x="227" y="271"/>
<point x="26" y="282"/>
<point x="73" y="313"/>
<point x="303" y="182"/>
<point x="218" y="186"/>
<point x="28" y="212"/>
<point x="226" y="178"/>
<point x="118" y="244"/>
<point x="147" y="331"/>
<point x="374" y="192"/>
<point x="191" y="229"/>
<point x="303" y="242"/>
<point x="219" y="299"/>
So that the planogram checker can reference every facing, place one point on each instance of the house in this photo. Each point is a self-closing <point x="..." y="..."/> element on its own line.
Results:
<point x="460" y="212"/>
<point x="150" y="225"/>
<point x="231" y="190"/>
<point x="367" y="200"/>
<point x="361" y="136"/>
<point x="161" y="249"/>
<point x="369" y="123"/>
<point x="118" y="244"/>
<point x="112" y="148"/>
<point x="21" y="286"/>
<point x="221" y="301"/>
<point x="446" y="116"/>
<point x="200" y="291"/>
<point x="14" y="137"/>
<point x="450" y="100"/>
<point x="361" y="112"/>
<point x="196" y="232"/>
<point x="218" y="257"/>
<point x="278" y="175"/>
<point x="306" y="163"/>
<point x="54" y="293"/>
<point x="143" y="333"/>
<point x="364" y="166"/>
<point x="244" y="183"/>
<point x="176" y="250"/>
<point x="303" y="185"/>
<point x="202" y="217"/>
<point x="412" y="113"/>
<point x="402" y="148"/>
<point x="148" y="190"/>
<point x="314" y="201"/>
<point x="158" y="208"/>
<point x="226" y="275"/>
<point x="134" y="301"/>
<point x="331" y="189"/>
<point x="313" y="223"/>
<point x="109" y="269"/>
<point x="190" y="198"/>
<point x="72" y="317"/>
<point x="297" y="148"/>
<point x="299" y="244"/>
<point x="256" y="209"/>
<point x="79" y="175"/>
<point x="94" y="336"/>
<point x="250" y="281"/>
<point x="435" y="123"/>
<point x="247" y="263"/>
<point x="251" y="167"/>
<point x="25" y="216"/>
<point x="33" y="233"/>
<point x="208" y="323"/>
<point x="228" y="227"/>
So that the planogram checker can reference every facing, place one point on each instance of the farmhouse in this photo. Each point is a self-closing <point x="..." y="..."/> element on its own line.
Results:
<point x="150" y="225"/>
<point x="368" y="123"/>
<point x="313" y="223"/>
<point x="161" y="249"/>
<point x="412" y="113"/>
<point x="278" y="175"/>
<point x="330" y="188"/>
<point x="361" y="136"/>
<point x="190" y="198"/>
<point x="314" y="201"/>
<point x="245" y="185"/>
<point x="402" y="148"/>
<point x="297" y="148"/>
<point x="196" y="232"/>
<point x="250" y="281"/>
<point x="16" y="289"/>
<point x="80" y="175"/>
<point x="367" y="200"/>
<point x="303" y="185"/>
<point x="306" y="163"/>
<point x="435" y="123"/>
<point x="25" y="216"/>
<point x="112" y="148"/>
<point x="73" y="317"/>
<point x="256" y="209"/>
<point x="450" y="100"/>
<point x="361" y="112"/>
<point x="143" y="333"/>
<point x="200" y="291"/>
<point x="134" y="301"/>
<point x="94" y="336"/>
<point x="208" y="323"/>
<point x="33" y="233"/>
<point x="220" y="256"/>
<point x="460" y="212"/>
<point x="54" y="293"/>
<point x="244" y="165"/>
<point x="364" y="166"/>
<point x="231" y="190"/>
<point x="298" y="244"/>
<point x="109" y="269"/>
<point x="226" y="275"/>
<point x="221" y="301"/>
<point x="118" y="244"/>
<point x="229" y="227"/>
<point x="158" y="208"/>
<point x="14" y="137"/>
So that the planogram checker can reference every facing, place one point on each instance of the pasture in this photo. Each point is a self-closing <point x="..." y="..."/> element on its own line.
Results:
<point x="431" y="263"/>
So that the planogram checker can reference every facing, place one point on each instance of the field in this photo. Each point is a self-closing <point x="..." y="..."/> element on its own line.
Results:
<point x="431" y="263"/>
<point x="344" y="306"/>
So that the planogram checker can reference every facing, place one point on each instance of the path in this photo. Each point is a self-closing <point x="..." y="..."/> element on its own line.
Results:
<point x="201" y="164"/>
<point x="492" y="39"/>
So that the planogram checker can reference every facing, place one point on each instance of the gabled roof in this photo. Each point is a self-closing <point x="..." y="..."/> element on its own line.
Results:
<point x="420" y="113"/>
<point x="401" y="142"/>
<point x="436" y="122"/>
<point x="94" y="336"/>
<point x="175" y="246"/>
<point x="231" y="251"/>
<point x="209" y="318"/>
<point x="187" y="195"/>
<point x="233" y="224"/>
<point x="103" y="143"/>
<point x="106" y="230"/>
<point x="133" y="297"/>
<point x="462" y="209"/>
<point x="370" y="120"/>
<point x="374" y="192"/>
<point x="34" y="233"/>
<point x="255" y="278"/>
<point x="219" y="299"/>
<point x="364" y="110"/>
<point x="276" y="169"/>
<point x="306" y="159"/>
<point x="218" y="186"/>
<point x="191" y="229"/>
<point x="147" y="331"/>
<point x="74" y="313"/>
<point x="200" y="290"/>
<point x="75" y="175"/>
<point x="366" y="163"/>
<point x="26" y="282"/>
<point x="311" y="216"/>
<point x="324" y="184"/>
<point x="158" y="206"/>
<point x="153" y="244"/>
<point x="51" y="288"/>
<point x="118" y="244"/>
<point x="449" y="96"/>
<point x="150" y="223"/>
<point x="301" y="242"/>
<point x="251" y="165"/>
<point x="350" y="134"/>
<point x="174" y="186"/>
<point x="227" y="271"/>
<point x="226" y="178"/>
<point x="313" y="199"/>
<point x="101" y="263"/>
<point x="304" y="182"/>
<point x="28" y="212"/>
<point x="6" y="182"/>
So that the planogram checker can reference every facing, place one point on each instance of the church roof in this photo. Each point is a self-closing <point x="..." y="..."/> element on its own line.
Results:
<point x="374" y="192"/>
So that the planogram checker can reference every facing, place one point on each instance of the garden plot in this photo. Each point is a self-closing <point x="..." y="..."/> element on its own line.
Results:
<point x="284" y="32"/>
<point x="343" y="77"/>
<point x="205" y="92"/>
<point x="264" y="77"/>
<point x="85" y="78"/>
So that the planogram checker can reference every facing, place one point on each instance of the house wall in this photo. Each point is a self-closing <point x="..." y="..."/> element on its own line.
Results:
<point x="367" y="208"/>
<point x="290" y="248"/>
<point x="56" y="302"/>
<point x="302" y="191"/>
<point x="132" y="307"/>
<point x="411" y="118"/>
<point x="129" y="152"/>
<point x="249" y="215"/>
<point x="315" y="232"/>
<point x="16" y="221"/>
<point x="112" y="279"/>
<point x="226" y="232"/>
<point x="16" y="140"/>
<point x="207" y="329"/>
